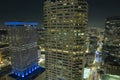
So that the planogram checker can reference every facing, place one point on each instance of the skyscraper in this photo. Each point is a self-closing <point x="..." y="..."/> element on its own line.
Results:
<point x="112" y="31"/>
<point x="23" y="47"/>
<point x="65" y="26"/>
<point x="112" y="45"/>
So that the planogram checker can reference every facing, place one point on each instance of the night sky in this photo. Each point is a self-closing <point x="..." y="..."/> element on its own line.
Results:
<point x="32" y="10"/>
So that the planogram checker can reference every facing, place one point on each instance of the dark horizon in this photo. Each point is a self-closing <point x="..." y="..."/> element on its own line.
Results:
<point x="32" y="10"/>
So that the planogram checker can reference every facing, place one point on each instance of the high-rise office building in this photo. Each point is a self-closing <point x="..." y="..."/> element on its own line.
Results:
<point x="41" y="40"/>
<point x="112" y="31"/>
<point x="5" y="64"/>
<point x="23" y="47"/>
<point x="65" y="26"/>
<point x="3" y="41"/>
<point x="112" y="45"/>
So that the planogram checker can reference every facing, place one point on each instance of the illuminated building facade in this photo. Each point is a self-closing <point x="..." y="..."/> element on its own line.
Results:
<point x="3" y="41"/>
<point x="41" y="39"/>
<point x="65" y="27"/>
<point x="113" y="69"/>
<point x="23" y="47"/>
<point x="112" y="31"/>
<point x="112" y="44"/>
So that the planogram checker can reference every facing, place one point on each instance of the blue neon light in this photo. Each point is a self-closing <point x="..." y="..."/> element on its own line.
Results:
<point x="29" y="71"/>
<point x="26" y="72"/>
<point x="32" y="69"/>
<point x="23" y="75"/>
<point x="21" y="23"/>
<point x="16" y="73"/>
<point x="35" y="67"/>
<point x="12" y="72"/>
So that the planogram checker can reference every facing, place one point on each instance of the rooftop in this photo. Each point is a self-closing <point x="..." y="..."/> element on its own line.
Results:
<point x="20" y="23"/>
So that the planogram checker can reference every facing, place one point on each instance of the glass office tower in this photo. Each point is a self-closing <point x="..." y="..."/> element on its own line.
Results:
<point x="112" y="45"/>
<point x="23" y="47"/>
<point x="65" y="26"/>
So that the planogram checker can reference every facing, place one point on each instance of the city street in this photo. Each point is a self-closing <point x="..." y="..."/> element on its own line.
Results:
<point x="94" y="74"/>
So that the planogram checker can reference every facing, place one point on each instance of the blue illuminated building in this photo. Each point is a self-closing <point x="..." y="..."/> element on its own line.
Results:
<point x="23" y="49"/>
<point x="30" y="75"/>
<point x="98" y="56"/>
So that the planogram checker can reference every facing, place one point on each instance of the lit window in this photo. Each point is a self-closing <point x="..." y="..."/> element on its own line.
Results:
<point x="82" y="33"/>
<point x="72" y="3"/>
<point x="71" y="20"/>
<point x="107" y="22"/>
<point x="79" y="7"/>
<point x="66" y="45"/>
<point x="65" y="33"/>
<point x="74" y="52"/>
<point x="75" y="34"/>
<point x="64" y="4"/>
<point x="80" y="14"/>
